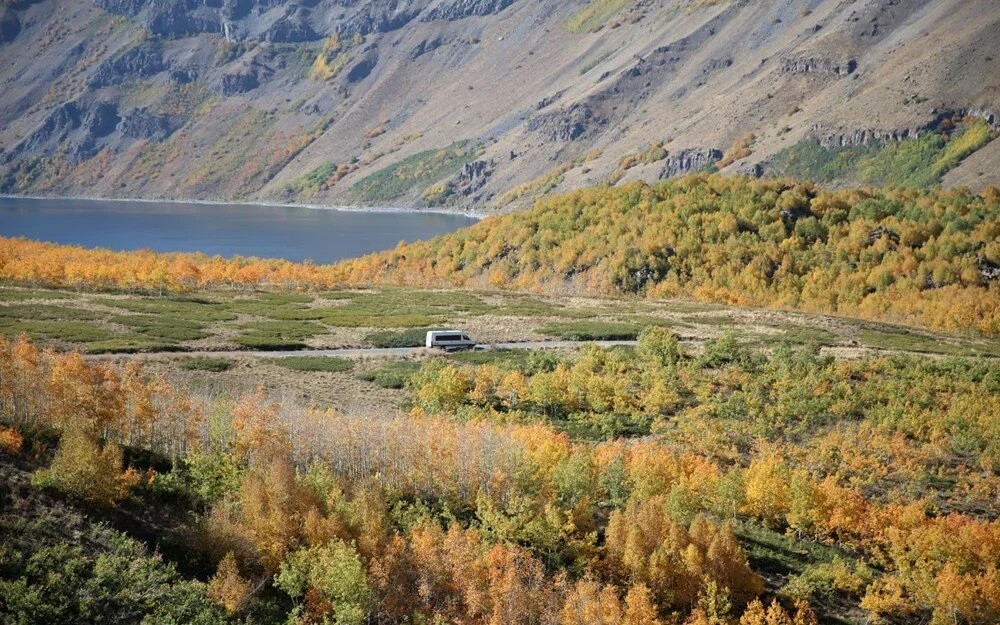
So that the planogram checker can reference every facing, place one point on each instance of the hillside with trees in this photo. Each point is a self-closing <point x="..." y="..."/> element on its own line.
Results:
<point x="927" y="258"/>
<point x="930" y="258"/>
<point x="645" y="487"/>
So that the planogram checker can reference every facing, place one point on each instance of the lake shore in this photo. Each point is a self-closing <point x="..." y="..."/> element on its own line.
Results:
<point x="347" y="209"/>
<point x="290" y="232"/>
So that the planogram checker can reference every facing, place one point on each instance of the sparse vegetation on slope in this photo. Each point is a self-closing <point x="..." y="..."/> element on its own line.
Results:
<point x="417" y="171"/>
<point x="595" y="15"/>
<point x="919" y="162"/>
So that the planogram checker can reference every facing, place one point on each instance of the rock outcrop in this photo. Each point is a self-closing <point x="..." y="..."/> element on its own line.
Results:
<point x="567" y="124"/>
<point x="819" y="66"/>
<point x="101" y="119"/>
<point x="474" y="176"/>
<point x="140" y="61"/>
<point x="140" y="123"/>
<point x="426" y="46"/>
<point x="292" y="28"/>
<point x="54" y="130"/>
<point x="841" y="138"/>
<point x="238" y="83"/>
<point x="363" y="67"/>
<point x="458" y="9"/>
<point x="988" y="270"/>
<point x="377" y="16"/>
<point x="291" y="21"/>
<point x="687" y="161"/>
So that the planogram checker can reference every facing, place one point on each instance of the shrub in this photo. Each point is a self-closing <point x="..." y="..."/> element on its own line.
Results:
<point x="740" y="149"/>
<point x="315" y="363"/>
<point x="332" y="581"/>
<point x="658" y="345"/>
<point x="227" y="588"/>
<point x="214" y="365"/>
<point x="725" y="350"/>
<point x="591" y="331"/>
<point x="10" y="441"/>
<point x="107" y="578"/>
<point x="85" y="470"/>
<point x="414" y="337"/>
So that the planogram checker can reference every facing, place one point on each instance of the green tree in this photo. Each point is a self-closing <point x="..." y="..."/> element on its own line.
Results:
<point x="659" y="346"/>
<point x="332" y="580"/>
<point x="85" y="470"/>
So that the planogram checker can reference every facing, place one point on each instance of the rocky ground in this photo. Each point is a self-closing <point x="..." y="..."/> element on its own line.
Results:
<point x="320" y="101"/>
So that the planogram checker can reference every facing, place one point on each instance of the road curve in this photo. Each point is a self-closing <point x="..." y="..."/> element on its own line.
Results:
<point x="358" y="351"/>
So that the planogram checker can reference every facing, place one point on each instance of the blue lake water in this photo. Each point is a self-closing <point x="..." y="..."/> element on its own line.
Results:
<point x="293" y="233"/>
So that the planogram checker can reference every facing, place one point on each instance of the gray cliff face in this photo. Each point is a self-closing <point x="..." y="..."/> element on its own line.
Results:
<point x="819" y="66"/>
<point x="687" y="161"/>
<point x="457" y="9"/>
<point x="291" y="21"/>
<point x="316" y="100"/>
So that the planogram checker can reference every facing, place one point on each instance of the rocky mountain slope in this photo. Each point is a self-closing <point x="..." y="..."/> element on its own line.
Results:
<point x="486" y="104"/>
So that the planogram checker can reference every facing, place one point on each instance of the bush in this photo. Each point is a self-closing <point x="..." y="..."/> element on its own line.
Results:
<point x="278" y="335"/>
<point x="213" y="365"/>
<point x="725" y="350"/>
<point x="315" y="363"/>
<point x="591" y="331"/>
<point x="414" y="337"/>
<point x="86" y="471"/>
<point x="113" y="581"/>
<point x="163" y="328"/>
<point x="10" y="441"/>
<point x="332" y="580"/>
<point x="658" y="345"/>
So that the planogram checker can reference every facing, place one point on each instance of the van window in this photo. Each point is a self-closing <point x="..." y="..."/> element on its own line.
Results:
<point x="449" y="337"/>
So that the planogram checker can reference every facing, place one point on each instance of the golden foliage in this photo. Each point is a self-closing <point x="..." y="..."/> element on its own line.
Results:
<point x="228" y="588"/>
<point x="912" y="256"/>
<point x="534" y="500"/>
<point x="10" y="441"/>
<point x="85" y="470"/>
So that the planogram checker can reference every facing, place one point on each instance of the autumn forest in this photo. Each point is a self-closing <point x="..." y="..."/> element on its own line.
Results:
<point x="691" y="476"/>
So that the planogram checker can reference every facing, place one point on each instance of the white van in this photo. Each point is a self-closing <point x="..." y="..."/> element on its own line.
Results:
<point x="449" y="339"/>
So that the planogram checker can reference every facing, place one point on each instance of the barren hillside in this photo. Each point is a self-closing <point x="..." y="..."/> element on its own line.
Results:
<point x="486" y="104"/>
